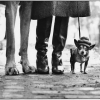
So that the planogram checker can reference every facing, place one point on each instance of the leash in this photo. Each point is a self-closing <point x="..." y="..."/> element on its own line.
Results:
<point x="79" y="27"/>
<point x="78" y="22"/>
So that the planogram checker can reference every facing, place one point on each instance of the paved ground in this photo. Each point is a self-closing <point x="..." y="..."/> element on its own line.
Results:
<point x="83" y="86"/>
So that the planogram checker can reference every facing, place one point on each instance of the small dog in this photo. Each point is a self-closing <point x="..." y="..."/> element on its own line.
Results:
<point x="80" y="53"/>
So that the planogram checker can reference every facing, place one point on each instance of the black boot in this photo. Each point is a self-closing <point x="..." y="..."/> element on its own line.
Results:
<point x="43" y="33"/>
<point x="59" y="40"/>
<point x="42" y="64"/>
<point x="56" y="63"/>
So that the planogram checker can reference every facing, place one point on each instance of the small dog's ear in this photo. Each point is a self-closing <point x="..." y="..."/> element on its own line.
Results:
<point x="76" y="43"/>
<point x="92" y="46"/>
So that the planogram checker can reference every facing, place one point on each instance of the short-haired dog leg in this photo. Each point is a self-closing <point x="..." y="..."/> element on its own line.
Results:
<point x="10" y="13"/>
<point x="81" y="68"/>
<point x="25" y="19"/>
<point x="85" y="66"/>
<point x="72" y="67"/>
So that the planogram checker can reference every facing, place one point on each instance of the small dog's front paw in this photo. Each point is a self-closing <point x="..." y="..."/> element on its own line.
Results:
<point x="81" y="71"/>
<point x="72" y="72"/>
<point x="84" y="73"/>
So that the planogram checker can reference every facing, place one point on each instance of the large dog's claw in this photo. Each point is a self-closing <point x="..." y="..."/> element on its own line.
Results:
<point x="11" y="71"/>
<point x="27" y="69"/>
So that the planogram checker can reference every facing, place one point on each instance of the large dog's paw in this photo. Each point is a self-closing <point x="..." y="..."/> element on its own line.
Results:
<point x="27" y="69"/>
<point x="11" y="69"/>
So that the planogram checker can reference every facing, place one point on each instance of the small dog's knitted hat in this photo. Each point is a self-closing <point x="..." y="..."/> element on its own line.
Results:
<point x="84" y="41"/>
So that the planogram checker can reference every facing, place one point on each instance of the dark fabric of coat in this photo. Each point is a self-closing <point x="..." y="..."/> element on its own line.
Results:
<point x="42" y="9"/>
<point x="3" y="2"/>
<point x="79" y="8"/>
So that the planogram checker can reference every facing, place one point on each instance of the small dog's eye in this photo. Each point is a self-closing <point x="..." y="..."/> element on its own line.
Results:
<point x="85" y="48"/>
<point x="80" y="47"/>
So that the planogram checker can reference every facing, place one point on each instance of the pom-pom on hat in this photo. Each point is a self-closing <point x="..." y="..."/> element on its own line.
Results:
<point x="84" y="41"/>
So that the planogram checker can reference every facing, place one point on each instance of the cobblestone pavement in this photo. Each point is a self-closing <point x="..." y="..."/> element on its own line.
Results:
<point x="34" y="86"/>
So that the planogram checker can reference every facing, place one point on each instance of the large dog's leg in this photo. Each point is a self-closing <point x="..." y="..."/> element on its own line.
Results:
<point x="11" y="10"/>
<point x="25" y="18"/>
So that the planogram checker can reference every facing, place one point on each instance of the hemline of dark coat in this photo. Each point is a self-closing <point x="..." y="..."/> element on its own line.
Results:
<point x="42" y="9"/>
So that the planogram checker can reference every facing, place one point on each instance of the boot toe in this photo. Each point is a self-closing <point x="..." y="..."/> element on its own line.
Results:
<point x="42" y="71"/>
<point x="55" y="70"/>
